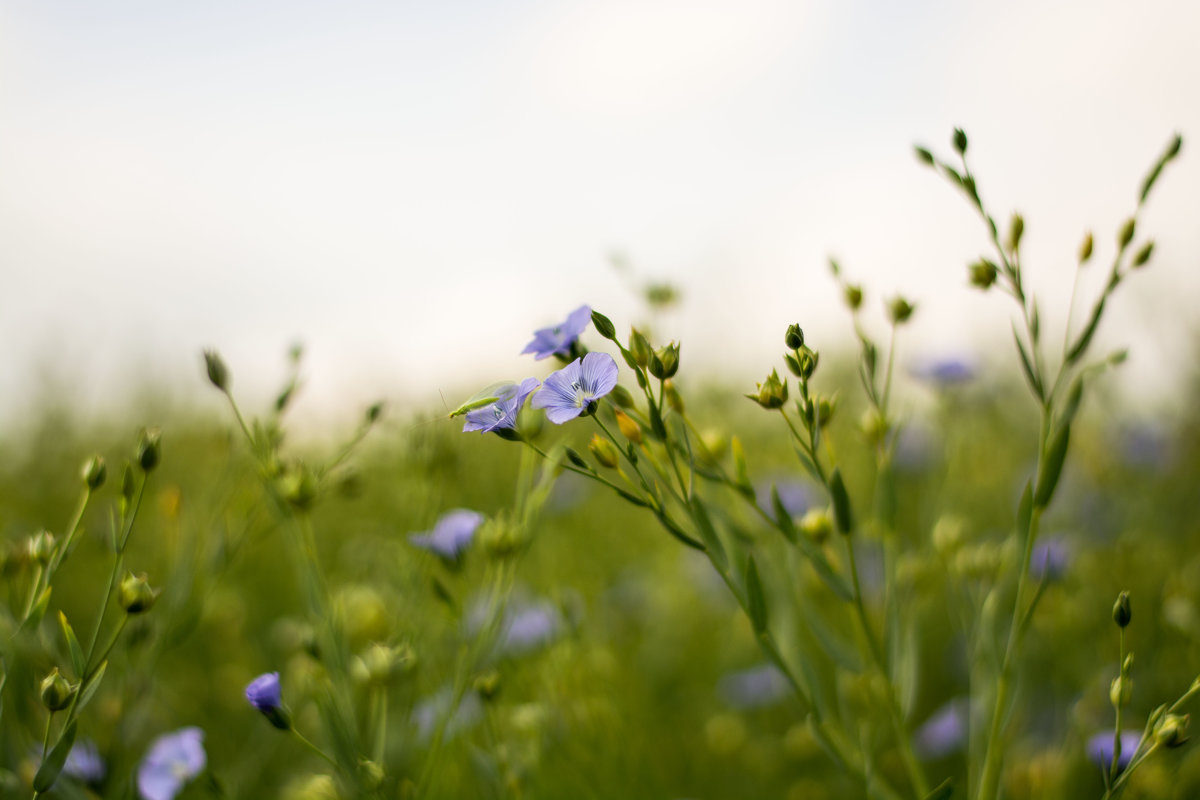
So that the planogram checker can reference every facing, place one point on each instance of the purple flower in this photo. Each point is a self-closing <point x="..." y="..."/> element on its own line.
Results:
<point x="796" y="496"/>
<point x="558" y="339"/>
<point x="173" y="760"/>
<point x="503" y="412"/>
<point x="264" y="693"/>
<point x="84" y="763"/>
<point x="945" y="371"/>
<point x="945" y="732"/>
<point x="754" y="688"/>
<point x="1100" y="748"/>
<point x="1049" y="558"/>
<point x="566" y="393"/>
<point x="529" y="627"/>
<point x="451" y="535"/>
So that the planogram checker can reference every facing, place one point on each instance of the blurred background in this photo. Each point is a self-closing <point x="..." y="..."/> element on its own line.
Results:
<point x="411" y="188"/>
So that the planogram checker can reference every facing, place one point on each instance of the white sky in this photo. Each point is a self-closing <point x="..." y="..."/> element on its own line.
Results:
<point x="412" y="188"/>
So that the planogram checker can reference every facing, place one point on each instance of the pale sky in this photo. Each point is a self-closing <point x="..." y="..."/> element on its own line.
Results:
<point x="412" y="188"/>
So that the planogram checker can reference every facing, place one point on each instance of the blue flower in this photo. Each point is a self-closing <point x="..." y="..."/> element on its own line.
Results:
<point x="566" y="393"/>
<point x="503" y="412"/>
<point x="756" y="687"/>
<point x="1049" y="558"/>
<point x="451" y="535"/>
<point x="1100" y="748"/>
<point x="945" y="732"/>
<point x="264" y="693"/>
<point x="173" y="760"/>
<point x="84" y="763"/>
<point x="945" y="371"/>
<point x="528" y="627"/>
<point x="558" y="339"/>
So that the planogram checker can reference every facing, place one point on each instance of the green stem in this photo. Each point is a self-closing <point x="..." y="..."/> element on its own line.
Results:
<point x="304" y="740"/>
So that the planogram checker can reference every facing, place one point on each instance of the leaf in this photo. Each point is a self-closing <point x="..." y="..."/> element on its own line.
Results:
<point x="708" y="534"/>
<point x="756" y="602"/>
<point x="783" y="519"/>
<point x="841" y="503"/>
<point x="37" y="611"/>
<point x="48" y="772"/>
<point x="820" y="563"/>
<point x="656" y="424"/>
<point x="1071" y="406"/>
<point x="807" y="463"/>
<point x="832" y="643"/>
<point x="1025" y="511"/>
<point x="1085" y="338"/>
<point x="1027" y="367"/>
<point x="77" y="660"/>
<point x="1052" y="467"/>
<point x="89" y="688"/>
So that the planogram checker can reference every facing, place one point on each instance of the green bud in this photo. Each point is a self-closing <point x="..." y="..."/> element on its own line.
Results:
<point x="576" y="459"/>
<point x="772" y="393"/>
<point x="604" y="451"/>
<point x="1171" y="730"/>
<point x="604" y="326"/>
<point x="1125" y="235"/>
<point x="374" y="412"/>
<point x="41" y="547"/>
<point x="1014" y="233"/>
<point x="959" y="141"/>
<point x="371" y="773"/>
<point x="899" y="310"/>
<point x="874" y="426"/>
<point x="808" y="362"/>
<point x="983" y="273"/>
<point x="135" y="594"/>
<point x="218" y="373"/>
<point x="1121" y="691"/>
<point x="713" y="446"/>
<point x="298" y="485"/>
<point x="664" y="362"/>
<point x="57" y="692"/>
<point x="853" y="296"/>
<point x="621" y="396"/>
<point x="1085" y="250"/>
<point x="639" y="347"/>
<point x="94" y="473"/>
<point x="629" y="428"/>
<point x="825" y="408"/>
<point x="503" y="539"/>
<point x="816" y="524"/>
<point x="923" y="155"/>
<point x="149" y="449"/>
<point x="127" y="485"/>
<point x="488" y="684"/>
<point x="794" y="338"/>
<point x="1121" y="611"/>
<point x="1143" y="255"/>
<point x="381" y="665"/>
<point x="674" y="398"/>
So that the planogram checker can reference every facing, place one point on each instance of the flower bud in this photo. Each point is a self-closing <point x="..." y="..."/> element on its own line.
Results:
<point x="1121" y="691"/>
<point x="899" y="310"/>
<point x="604" y="451"/>
<point x="1121" y="610"/>
<point x="218" y="374"/>
<point x="1125" y="235"/>
<point x="629" y="428"/>
<point x="604" y="326"/>
<point x="380" y="665"/>
<point x="639" y="347"/>
<point x="127" y="485"/>
<point x="674" y="398"/>
<point x="772" y="393"/>
<point x="135" y="594"/>
<point x="825" y="408"/>
<point x="713" y="446"/>
<point x="1014" y="233"/>
<point x="1085" y="250"/>
<point x="816" y="524"/>
<point x="265" y="695"/>
<point x="1143" y="255"/>
<point x="94" y="473"/>
<point x="149" y="449"/>
<point x="983" y="273"/>
<point x="298" y="486"/>
<point x="853" y="296"/>
<point x="1171" y="730"/>
<point x="41" y="547"/>
<point x="794" y="338"/>
<point x="374" y="412"/>
<point x="923" y="155"/>
<point x="664" y="362"/>
<point x="807" y="363"/>
<point x="959" y="141"/>
<point x="57" y="692"/>
<point x="621" y="397"/>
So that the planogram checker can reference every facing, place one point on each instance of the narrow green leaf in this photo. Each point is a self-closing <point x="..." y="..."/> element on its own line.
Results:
<point x="756" y="602"/>
<point x="1027" y="367"/>
<point x="1025" y="511"/>
<point x="1085" y="338"/>
<point x="38" y="611"/>
<point x="656" y="424"/>
<point x="943" y="791"/>
<point x="808" y="464"/>
<point x="633" y="365"/>
<point x="48" y="772"/>
<point x="832" y="643"/>
<point x="88" y="690"/>
<point x="1052" y="467"/>
<point x="783" y="519"/>
<point x="77" y="660"/>
<point x="841" y="503"/>
<point x="836" y="583"/>
<point x="1071" y="406"/>
<point x="708" y="534"/>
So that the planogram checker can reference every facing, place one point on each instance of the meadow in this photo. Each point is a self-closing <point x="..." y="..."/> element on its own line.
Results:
<point x="616" y="579"/>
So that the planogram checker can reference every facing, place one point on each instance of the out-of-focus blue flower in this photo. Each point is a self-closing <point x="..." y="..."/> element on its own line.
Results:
<point x="796" y="496"/>
<point x="530" y="626"/>
<point x="1145" y="447"/>
<point x="1100" y="748"/>
<point x="429" y="712"/>
<point x="84" y="763"/>
<point x="451" y="535"/>
<point x="945" y="732"/>
<point x="1049" y="558"/>
<point x="945" y="371"/>
<point x="559" y="338"/>
<point x="916" y="448"/>
<point x="566" y="393"/>
<point x="756" y="687"/>
<point x="264" y="693"/>
<point x="173" y="760"/>
<point x="503" y="412"/>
